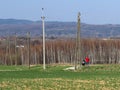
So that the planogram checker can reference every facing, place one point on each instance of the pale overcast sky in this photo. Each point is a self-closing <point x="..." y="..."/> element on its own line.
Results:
<point x="92" y="11"/>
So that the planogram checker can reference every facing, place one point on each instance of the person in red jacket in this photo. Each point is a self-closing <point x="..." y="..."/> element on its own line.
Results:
<point x="87" y="60"/>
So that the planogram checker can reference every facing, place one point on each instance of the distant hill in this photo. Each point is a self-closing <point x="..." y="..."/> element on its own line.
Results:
<point x="56" y="29"/>
<point x="15" y="21"/>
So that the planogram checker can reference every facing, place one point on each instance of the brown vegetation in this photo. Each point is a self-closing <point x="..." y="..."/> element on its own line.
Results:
<point x="59" y="51"/>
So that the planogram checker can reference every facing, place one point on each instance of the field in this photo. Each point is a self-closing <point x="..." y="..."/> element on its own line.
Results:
<point x="94" y="77"/>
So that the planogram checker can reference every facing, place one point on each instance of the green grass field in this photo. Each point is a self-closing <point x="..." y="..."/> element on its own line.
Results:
<point x="96" y="77"/>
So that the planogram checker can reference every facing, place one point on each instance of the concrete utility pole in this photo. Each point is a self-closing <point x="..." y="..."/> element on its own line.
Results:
<point x="43" y="26"/>
<point x="78" y="43"/>
<point x="21" y="50"/>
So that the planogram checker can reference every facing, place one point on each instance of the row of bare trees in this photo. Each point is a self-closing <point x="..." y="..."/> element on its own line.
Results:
<point x="58" y="51"/>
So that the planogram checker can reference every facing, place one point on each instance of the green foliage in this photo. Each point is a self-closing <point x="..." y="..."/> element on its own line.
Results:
<point x="98" y="77"/>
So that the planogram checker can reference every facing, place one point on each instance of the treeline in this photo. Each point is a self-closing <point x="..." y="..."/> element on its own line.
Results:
<point x="58" y="51"/>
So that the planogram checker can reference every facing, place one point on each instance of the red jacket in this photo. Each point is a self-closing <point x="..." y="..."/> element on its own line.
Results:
<point x="87" y="59"/>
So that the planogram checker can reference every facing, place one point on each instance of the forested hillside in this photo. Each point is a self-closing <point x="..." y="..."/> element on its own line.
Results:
<point x="60" y="44"/>
<point x="56" y="29"/>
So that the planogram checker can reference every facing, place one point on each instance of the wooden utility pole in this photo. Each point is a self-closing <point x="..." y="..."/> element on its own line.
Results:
<point x="28" y="43"/>
<point x="78" y="44"/>
<point x="9" y="50"/>
<point x="43" y="25"/>
<point x="15" y="49"/>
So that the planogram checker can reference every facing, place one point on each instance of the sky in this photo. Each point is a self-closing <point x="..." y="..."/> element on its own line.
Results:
<point x="92" y="11"/>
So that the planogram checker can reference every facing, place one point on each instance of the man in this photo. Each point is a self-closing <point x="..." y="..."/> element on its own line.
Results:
<point x="87" y="60"/>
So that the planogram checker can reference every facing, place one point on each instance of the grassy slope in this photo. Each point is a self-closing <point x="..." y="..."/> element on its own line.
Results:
<point x="100" y="77"/>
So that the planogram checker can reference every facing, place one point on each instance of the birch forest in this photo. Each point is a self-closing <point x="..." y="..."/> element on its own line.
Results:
<point x="25" y="51"/>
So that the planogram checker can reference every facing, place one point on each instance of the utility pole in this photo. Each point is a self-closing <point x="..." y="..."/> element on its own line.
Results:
<point x="28" y="42"/>
<point x="15" y="49"/>
<point x="43" y="26"/>
<point x="21" y="50"/>
<point x="9" y="50"/>
<point x="78" y="44"/>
